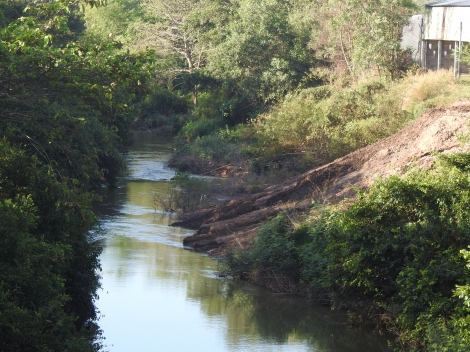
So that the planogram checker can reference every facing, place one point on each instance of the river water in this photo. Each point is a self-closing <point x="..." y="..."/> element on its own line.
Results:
<point x="158" y="296"/>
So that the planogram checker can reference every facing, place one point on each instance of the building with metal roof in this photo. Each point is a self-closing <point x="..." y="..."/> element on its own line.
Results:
<point x="445" y="30"/>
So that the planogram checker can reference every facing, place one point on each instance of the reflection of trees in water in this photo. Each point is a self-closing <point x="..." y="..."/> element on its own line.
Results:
<point x="161" y="261"/>
<point x="250" y="313"/>
<point x="258" y="314"/>
<point x="284" y="318"/>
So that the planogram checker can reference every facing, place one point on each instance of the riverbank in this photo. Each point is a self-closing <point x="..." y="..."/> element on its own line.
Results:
<point x="392" y="255"/>
<point x="167" y="288"/>
<point x="235" y="223"/>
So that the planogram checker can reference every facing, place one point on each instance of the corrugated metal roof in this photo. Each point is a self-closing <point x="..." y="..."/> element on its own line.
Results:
<point x="450" y="3"/>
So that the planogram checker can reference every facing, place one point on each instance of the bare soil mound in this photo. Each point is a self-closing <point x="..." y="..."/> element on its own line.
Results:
<point x="236" y="222"/>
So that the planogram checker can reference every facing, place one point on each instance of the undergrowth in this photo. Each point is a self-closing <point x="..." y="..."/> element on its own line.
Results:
<point x="316" y="125"/>
<point x="185" y="194"/>
<point x="393" y="257"/>
<point x="323" y="123"/>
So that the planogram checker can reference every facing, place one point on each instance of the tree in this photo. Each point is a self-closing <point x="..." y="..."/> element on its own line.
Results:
<point x="264" y="51"/>
<point x="114" y="21"/>
<point x="171" y="33"/>
<point x="184" y="30"/>
<point x="44" y="245"/>
<point x="368" y="34"/>
<point x="65" y="112"/>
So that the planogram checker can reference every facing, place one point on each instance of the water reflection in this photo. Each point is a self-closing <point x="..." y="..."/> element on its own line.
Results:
<point x="158" y="296"/>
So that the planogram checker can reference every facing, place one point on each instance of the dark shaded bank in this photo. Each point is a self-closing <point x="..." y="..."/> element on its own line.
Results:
<point x="65" y="106"/>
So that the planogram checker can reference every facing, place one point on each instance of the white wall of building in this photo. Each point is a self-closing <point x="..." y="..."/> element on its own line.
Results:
<point x="412" y="35"/>
<point x="443" y="23"/>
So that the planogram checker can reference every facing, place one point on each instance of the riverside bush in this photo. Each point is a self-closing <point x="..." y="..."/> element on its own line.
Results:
<point x="66" y="112"/>
<point x="392" y="256"/>
<point x="274" y="259"/>
<point x="324" y="123"/>
<point x="316" y="125"/>
<point x="48" y="260"/>
<point x="185" y="194"/>
<point x="203" y="153"/>
<point x="200" y="128"/>
<point x="162" y="109"/>
<point x="214" y="148"/>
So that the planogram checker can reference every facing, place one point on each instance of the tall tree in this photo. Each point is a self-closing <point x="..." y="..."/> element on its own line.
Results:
<point x="263" y="50"/>
<point x="184" y="30"/>
<point x="367" y="34"/>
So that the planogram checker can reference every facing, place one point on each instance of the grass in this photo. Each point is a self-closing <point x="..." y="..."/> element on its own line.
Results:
<point x="325" y="123"/>
<point x="316" y="125"/>
<point x="432" y="89"/>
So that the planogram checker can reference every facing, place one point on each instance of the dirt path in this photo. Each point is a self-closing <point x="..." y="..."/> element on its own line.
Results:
<point x="236" y="223"/>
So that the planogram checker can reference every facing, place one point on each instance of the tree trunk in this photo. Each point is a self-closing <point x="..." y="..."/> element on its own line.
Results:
<point x="195" y="95"/>
<point x="191" y="70"/>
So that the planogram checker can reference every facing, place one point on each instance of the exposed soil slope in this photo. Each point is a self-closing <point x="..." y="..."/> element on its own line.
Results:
<point x="236" y="222"/>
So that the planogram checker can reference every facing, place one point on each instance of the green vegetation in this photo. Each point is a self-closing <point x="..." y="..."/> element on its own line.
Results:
<point x="292" y="85"/>
<point x="465" y="55"/>
<point x="322" y="123"/>
<point x="286" y="85"/>
<point x="185" y="194"/>
<point x="238" y="62"/>
<point x="393" y="256"/>
<point x="311" y="80"/>
<point x="66" y="111"/>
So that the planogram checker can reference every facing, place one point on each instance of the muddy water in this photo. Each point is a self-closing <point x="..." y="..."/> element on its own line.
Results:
<point x="158" y="296"/>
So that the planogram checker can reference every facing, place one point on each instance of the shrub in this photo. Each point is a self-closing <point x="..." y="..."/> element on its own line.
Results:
<point x="185" y="194"/>
<point x="465" y="54"/>
<point x="323" y="124"/>
<point x="214" y="148"/>
<point x="162" y="109"/>
<point x="162" y="101"/>
<point x="200" y="128"/>
<point x="393" y="255"/>
<point x="48" y="260"/>
<point x="274" y="259"/>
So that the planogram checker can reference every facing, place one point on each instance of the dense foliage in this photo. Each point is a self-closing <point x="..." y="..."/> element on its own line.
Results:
<point x="285" y="83"/>
<point x="393" y="256"/>
<point x="65" y="107"/>
<point x="234" y="60"/>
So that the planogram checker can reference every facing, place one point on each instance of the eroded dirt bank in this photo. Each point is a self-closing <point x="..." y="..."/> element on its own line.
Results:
<point x="236" y="222"/>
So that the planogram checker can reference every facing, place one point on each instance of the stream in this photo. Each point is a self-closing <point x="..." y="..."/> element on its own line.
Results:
<point x="158" y="296"/>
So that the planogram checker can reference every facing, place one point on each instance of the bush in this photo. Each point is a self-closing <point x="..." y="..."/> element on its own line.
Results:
<point x="162" y="101"/>
<point x="465" y="56"/>
<point x="274" y="260"/>
<point x="162" y="109"/>
<point x="322" y="124"/>
<point x="214" y="148"/>
<point x="185" y="194"/>
<point x="392" y="256"/>
<point x="48" y="261"/>
<point x="200" y="128"/>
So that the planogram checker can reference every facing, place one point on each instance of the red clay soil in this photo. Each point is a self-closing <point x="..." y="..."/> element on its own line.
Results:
<point x="235" y="223"/>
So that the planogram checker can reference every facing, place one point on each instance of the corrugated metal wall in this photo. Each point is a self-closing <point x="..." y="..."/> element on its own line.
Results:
<point x="443" y="23"/>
